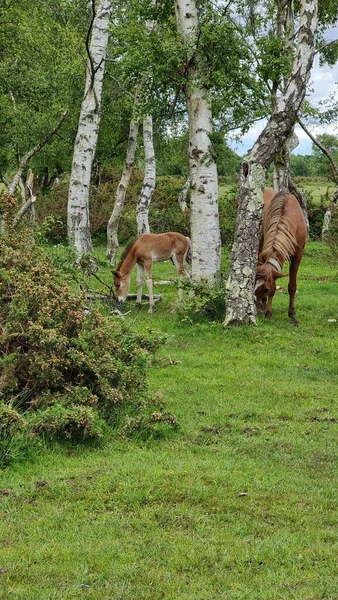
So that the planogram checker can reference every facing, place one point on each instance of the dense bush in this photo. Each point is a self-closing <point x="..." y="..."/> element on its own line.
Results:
<point x="228" y="203"/>
<point x="316" y="214"/>
<point x="63" y="372"/>
<point x="203" y="302"/>
<point x="165" y="213"/>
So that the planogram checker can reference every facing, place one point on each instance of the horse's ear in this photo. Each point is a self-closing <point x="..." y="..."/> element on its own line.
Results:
<point x="116" y="273"/>
<point x="277" y="275"/>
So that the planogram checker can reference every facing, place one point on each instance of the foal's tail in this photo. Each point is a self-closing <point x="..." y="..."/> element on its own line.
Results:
<point x="188" y="253"/>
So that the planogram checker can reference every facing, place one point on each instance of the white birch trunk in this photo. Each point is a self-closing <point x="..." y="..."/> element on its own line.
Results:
<point x="240" y="306"/>
<point x="149" y="180"/>
<point x="182" y="196"/>
<point x="327" y="218"/>
<point x="113" y="223"/>
<point x="205" y="230"/>
<point x="85" y="144"/>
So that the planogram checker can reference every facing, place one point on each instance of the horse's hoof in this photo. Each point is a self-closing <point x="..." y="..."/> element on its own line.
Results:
<point x="294" y="321"/>
<point x="138" y="304"/>
<point x="268" y="316"/>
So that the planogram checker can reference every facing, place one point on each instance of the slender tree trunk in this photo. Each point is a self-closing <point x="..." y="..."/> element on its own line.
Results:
<point x="205" y="231"/>
<point x="294" y="189"/>
<point x="86" y="139"/>
<point x="182" y="196"/>
<point x="328" y="216"/>
<point x="281" y="172"/>
<point x="240" y="306"/>
<point x="149" y="180"/>
<point x="113" y="223"/>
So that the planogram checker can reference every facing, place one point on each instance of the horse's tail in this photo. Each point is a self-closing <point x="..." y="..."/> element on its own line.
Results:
<point x="188" y="253"/>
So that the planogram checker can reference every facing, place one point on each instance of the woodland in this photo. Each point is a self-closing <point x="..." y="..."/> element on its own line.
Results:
<point x="191" y="452"/>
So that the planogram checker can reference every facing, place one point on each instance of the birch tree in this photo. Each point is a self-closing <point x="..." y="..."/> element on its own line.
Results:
<point x="240" y="307"/>
<point x="205" y="231"/>
<point x="114" y="220"/>
<point x="78" y="224"/>
<point x="149" y="180"/>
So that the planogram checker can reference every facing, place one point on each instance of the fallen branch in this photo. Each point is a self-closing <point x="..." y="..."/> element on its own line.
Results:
<point x="23" y="210"/>
<point x="156" y="297"/>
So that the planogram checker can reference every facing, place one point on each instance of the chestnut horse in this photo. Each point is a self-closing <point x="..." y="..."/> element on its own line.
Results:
<point x="283" y="238"/>
<point x="144" y="251"/>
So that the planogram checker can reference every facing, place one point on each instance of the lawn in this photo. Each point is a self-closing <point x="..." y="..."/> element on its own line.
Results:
<point x="240" y="502"/>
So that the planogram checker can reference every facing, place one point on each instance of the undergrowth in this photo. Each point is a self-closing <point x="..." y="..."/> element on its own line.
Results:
<point x="66" y="372"/>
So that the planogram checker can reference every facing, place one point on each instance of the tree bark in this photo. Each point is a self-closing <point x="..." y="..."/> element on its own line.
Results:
<point x="182" y="196"/>
<point x="85" y="144"/>
<point x="240" y="306"/>
<point x="149" y="180"/>
<point x="281" y="172"/>
<point x="113" y="223"/>
<point x="205" y="230"/>
<point x="294" y="189"/>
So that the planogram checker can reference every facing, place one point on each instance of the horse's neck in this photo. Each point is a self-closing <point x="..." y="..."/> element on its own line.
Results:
<point x="128" y="263"/>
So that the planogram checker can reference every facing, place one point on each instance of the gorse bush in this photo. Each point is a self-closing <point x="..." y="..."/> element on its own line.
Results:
<point x="63" y="373"/>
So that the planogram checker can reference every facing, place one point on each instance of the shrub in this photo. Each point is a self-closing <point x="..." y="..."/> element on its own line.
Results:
<point x="203" y="302"/>
<point x="316" y="216"/>
<point x="66" y="372"/>
<point x="11" y="422"/>
<point x="73" y="423"/>
<point x="228" y="203"/>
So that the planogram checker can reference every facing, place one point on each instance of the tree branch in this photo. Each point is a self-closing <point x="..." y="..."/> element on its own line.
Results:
<point x="24" y="208"/>
<point x="325" y="46"/>
<point x="92" y="68"/>
<point x="322" y="148"/>
<point x="24" y="160"/>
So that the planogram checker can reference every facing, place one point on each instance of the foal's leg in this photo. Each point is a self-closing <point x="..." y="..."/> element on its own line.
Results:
<point x="139" y="283"/>
<point x="179" y="264"/>
<point x="149" y="283"/>
<point x="292" y="287"/>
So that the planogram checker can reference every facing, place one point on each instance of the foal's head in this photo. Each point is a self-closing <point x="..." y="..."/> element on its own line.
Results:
<point x="122" y="285"/>
<point x="265" y="284"/>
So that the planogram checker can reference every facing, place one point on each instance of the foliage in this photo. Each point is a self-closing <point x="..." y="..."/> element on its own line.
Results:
<point x="202" y="302"/>
<point x="66" y="373"/>
<point x="42" y="47"/>
<point x="316" y="214"/>
<point x="228" y="200"/>
<point x="164" y="215"/>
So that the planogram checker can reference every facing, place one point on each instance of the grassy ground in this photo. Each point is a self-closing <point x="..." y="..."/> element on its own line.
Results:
<point x="239" y="503"/>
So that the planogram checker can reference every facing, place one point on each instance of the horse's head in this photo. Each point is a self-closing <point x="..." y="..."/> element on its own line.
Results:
<point x="265" y="284"/>
<point x="121" y="284"/>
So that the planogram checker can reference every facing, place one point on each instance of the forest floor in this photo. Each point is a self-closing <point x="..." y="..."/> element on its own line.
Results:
<point x="240" y="502"/>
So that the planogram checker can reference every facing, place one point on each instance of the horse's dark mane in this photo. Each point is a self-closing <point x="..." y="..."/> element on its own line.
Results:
<point x="278" y="236"/>
<point x="125" y="252"/>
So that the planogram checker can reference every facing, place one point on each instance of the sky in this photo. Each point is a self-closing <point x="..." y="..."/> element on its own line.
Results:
<point x="323" y="82"/>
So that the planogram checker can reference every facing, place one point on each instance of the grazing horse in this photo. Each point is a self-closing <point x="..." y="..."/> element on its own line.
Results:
<point x="283" y="238"/>
<point x="144" y="251"/>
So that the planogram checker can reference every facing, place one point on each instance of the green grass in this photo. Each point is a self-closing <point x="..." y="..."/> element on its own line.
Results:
<point x="239" y="503"/>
